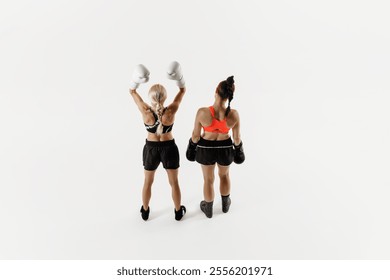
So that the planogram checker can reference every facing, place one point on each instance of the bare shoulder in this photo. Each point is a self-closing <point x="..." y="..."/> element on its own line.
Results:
<point x="202" y="114"/>
<point x="233" y="118"/>
<point x="234" y="114"/>
<point x="202" y="111"/>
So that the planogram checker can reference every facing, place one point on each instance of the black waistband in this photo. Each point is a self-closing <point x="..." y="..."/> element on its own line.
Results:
<point x="160" y="143"/>
<point x="215" y="143"/>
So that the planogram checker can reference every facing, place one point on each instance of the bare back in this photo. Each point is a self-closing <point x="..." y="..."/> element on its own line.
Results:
<point x="167" y="118"/>
<point x="204" y="118"/>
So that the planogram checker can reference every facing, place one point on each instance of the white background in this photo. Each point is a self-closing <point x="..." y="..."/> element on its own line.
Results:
<point x="144" y="269"/>
<point x="312" y="90"/>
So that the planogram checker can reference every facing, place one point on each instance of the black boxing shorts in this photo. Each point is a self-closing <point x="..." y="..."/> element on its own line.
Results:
<point x="166" y="152"/>
<point x="209" y="152"/>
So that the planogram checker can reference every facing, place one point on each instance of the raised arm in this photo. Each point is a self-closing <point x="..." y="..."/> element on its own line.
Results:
<point x="140" y="76"/>
<point x="142" y="106"/>
<point x="174" y="106"/>
<point x="175" y="73"/>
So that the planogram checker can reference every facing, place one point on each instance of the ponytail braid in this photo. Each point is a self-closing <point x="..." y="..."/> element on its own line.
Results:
<point x="228" y="107"/>
<point x="157" y="95"/>
<point x="229" y="90"/>
<point x="159" y="111"/>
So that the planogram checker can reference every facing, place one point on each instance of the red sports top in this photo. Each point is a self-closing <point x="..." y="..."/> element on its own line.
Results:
<point x="217" y="126"/>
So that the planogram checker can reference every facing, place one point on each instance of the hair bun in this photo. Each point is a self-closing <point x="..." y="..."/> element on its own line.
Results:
<point x="230" y="80"/>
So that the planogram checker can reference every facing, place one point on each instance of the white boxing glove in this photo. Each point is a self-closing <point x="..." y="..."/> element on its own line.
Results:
<point x="174" y="72"/>
<point x="140" y="76"/>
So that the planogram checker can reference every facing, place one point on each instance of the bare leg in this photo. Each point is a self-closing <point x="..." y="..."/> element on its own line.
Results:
<point x="208" y="186"/>
<point x="147" y="189"/>
<point x="224" y="187"/>
<point x="173" y="175"/>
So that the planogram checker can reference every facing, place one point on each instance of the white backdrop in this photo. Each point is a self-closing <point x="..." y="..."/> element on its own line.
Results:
<point x="312" y="90"/>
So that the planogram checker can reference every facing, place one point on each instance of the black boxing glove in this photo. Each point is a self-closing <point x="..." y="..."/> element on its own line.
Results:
<point x="191" y="150"/>
<point x="239" y="156"/>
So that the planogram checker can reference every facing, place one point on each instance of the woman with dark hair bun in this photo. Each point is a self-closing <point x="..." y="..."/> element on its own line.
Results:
<point x="215" y="146"/>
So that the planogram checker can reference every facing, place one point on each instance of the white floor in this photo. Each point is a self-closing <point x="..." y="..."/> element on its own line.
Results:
<point x="313" y="97"/>
<point x="289" y="202"/>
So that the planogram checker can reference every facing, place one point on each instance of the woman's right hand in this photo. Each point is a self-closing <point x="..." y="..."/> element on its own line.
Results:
<point x="175" y="73"/>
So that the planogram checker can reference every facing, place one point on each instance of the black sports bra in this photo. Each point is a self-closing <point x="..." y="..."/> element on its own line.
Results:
<point x="153" y="128"/>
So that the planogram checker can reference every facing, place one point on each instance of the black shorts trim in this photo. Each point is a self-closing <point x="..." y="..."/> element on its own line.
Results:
<point x="209" y="152"/>
<point x="166" y="152"/>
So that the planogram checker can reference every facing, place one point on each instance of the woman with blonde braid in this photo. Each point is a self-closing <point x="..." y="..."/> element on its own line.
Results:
<point x="215" y="146"/>
<point x="160" y="145"/>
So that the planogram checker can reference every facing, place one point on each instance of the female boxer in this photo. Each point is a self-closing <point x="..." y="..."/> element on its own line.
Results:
<point x="160" y="145"/>
<point x="215" y="146"/>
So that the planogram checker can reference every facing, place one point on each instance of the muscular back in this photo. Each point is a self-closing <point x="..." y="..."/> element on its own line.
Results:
<point x="167" y="118"/>
<point x="204" y="119"/>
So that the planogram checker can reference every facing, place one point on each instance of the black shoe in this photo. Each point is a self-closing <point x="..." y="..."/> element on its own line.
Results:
<point x="226" y="201"/>
<point x="145" y="213"/>
<point x="180" y="214"/>
<point x="207" y="208"/>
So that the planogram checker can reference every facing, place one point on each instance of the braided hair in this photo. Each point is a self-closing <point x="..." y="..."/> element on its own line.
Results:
<point x="225" y="90"/>
<point x="157" y="95"/>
